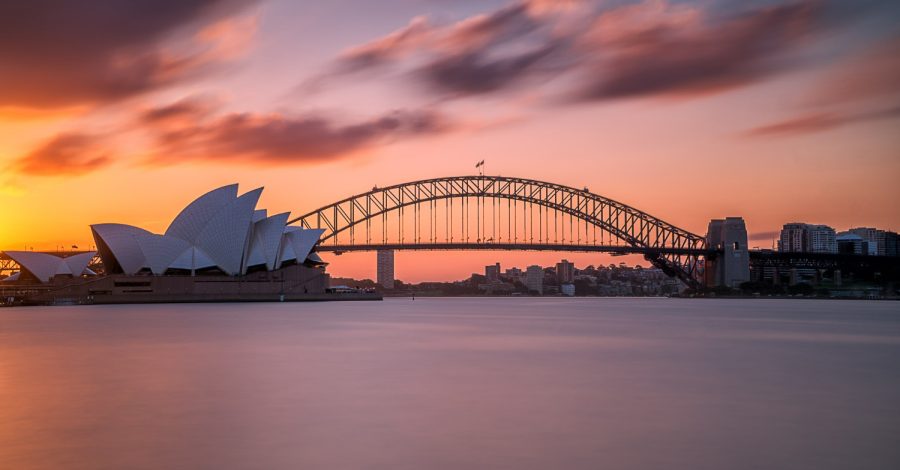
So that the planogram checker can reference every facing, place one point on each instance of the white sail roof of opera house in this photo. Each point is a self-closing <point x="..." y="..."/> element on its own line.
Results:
<point x="44" y="266"/>
<point x="220" y="229"/>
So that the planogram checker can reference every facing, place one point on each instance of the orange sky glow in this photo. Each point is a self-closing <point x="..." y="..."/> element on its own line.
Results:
<point x="776" y="111"/>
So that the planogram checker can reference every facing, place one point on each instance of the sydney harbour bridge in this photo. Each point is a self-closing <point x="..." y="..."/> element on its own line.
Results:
<point x="505" y="213"/>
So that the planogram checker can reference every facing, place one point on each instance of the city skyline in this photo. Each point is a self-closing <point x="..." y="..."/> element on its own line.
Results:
<point x="794" y="109"/>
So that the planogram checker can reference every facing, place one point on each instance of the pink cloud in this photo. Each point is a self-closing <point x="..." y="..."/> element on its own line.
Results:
<point x="276" y="138"/>
<point x="872" y="74"/>
<point x="819" y="122"/>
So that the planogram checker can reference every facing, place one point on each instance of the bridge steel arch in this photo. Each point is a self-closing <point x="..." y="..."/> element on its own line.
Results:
<point x="674" y="250"/>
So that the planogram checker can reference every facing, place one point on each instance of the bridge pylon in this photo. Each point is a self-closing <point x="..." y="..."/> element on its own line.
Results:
<point x="730" y="265"/>
<point x="385" y="271"/>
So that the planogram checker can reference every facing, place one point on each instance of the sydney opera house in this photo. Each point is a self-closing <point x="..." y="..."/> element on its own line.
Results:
<point x="219" y="248"/>
<point x="219" y="232"/>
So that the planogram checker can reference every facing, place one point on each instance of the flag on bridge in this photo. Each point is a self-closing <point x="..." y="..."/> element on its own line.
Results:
<point x="479" y="164"/>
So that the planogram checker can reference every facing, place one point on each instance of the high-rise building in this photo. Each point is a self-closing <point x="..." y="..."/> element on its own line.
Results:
<point x="793" y="238"/>
<point x="386" y="268"/>
<point x="565" y="272"/>
<point x="797" y="237"/>
<point x="492" y="272"/>
<point x="534" y="279"/>
<point x="891" y="244"/>
<point x="875" y="237"/>
<point x="821" y="239"/>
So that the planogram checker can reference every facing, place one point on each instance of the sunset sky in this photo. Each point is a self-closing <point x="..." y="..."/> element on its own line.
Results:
<point x="125" y="111"/>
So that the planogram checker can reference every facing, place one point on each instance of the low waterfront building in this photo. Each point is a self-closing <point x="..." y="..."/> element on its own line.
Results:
<point x="514" y="274"/>
<point x="851" y="244"/>
<point x="497" y="288"/>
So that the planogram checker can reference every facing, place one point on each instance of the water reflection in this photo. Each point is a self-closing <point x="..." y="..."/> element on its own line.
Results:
<point x="453" y="383"/>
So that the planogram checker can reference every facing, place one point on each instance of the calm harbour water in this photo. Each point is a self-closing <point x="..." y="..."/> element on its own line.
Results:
<point x="453" y="383"/>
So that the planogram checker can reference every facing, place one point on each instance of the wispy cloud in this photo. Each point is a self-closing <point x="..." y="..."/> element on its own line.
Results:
<point x="192" y="130"/>
<point x="276" y="138"/>
<point x="819" y="122"/>
<point x="873" y="74"/>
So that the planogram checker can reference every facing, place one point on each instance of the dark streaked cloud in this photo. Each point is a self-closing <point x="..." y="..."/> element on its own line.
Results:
<point x="421" y="35"/>
<point x="193" y="108"/>
<point x="675" y="50"/>
<point x="65" y="154"/>
<point x="481" y="54"/>
<point x="190" y="130"/>
<point x="608" y="51"/>
<point x="57" y="53"/>
<point x="476" y="72"/>
<point x="488" y="53"/>
<point x="283" y="138"/>
<point x="818" y="122"/>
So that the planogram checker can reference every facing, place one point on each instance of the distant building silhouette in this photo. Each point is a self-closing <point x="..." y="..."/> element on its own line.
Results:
<point x="534" y="279"/>
<point x="798" y="237"/>
<point x="514" y="274"/>
<point x="881" y="242"/>
<point x="492" y="272"/>
<point x="565" y="272"/>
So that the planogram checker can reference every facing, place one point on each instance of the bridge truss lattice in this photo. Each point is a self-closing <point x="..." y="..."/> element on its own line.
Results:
<point x="486" y="212"/>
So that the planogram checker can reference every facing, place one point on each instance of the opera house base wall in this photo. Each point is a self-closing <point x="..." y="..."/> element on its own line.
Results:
<point x="289" y="284"/>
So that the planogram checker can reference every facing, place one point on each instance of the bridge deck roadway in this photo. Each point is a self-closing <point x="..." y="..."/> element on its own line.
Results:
<point x="342" y="248"/>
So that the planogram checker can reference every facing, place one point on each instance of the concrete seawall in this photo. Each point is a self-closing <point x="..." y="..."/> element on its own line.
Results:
<point x="290" y="284"/>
